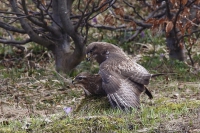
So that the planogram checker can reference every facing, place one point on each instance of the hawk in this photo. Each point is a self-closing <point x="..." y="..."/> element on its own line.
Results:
<point x="125" y="95"/>
<point x="119" y="72"/>
<point x="92" y="84"/>
<point x="112" y="58"/>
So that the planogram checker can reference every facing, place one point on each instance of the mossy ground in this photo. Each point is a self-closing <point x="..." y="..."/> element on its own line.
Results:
<point x="33" y="98"/>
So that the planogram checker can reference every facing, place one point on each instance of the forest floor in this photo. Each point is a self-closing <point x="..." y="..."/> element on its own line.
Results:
<point x="35" y="98"/>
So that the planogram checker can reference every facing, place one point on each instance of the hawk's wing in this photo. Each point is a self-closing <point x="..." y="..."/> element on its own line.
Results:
<point x="134" y="72"/>
<point x="121" y="92"/>
<point x="127" y="68"/>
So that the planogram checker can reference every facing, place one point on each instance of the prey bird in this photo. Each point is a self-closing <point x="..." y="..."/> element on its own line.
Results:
<point x="125" y="95"/>
<point x="92" y="84"/>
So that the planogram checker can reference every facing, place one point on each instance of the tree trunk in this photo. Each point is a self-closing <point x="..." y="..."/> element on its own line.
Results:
<point x="66" y="59"/>
<point x="55" y="36"/>
<point x="176" y="51"/>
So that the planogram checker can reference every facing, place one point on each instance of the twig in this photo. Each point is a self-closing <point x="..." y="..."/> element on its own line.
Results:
<point x="190" y="21"/>
<point x="134" y="10"/>
<point x="136" y="34"/>
<point x="68" y="81"/>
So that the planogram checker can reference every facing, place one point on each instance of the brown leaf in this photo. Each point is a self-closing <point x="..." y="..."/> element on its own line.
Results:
<point x="198" y="15"/>
<point x="102" y="3"/>
<point x="173" y="1"/>
<point x="151" y="20"/>
<point x="43" y="2"/>
<point x="119" y="11"/>
<point x="154" y="2"/>
<point x="193" y="20"/>
<point x="181" y="45"/>
<point x="109" y="19"/>
<point x="188" y="25"/>
<point x="182" y="31"/>
<point x="132" y="25"/>
<point x="184" y="2"/>
<point x="197" y="2"/>
<point x="161" y="21"/>
<point x="169" y="26"/>
<point x="154" y="29"/>
<point x="179" y="25"/>
<point x="186" y="12"/>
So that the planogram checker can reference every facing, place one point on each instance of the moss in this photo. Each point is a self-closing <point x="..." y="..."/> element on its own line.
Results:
<point x="88" y="124"/>
<point x="97" y="119"/>
<point x="161" y="100"/>
<point x="5" y="130"/>
<point x="93" y="103"/>
<point x="181" y="105"/>
<point x="9" y="130"/>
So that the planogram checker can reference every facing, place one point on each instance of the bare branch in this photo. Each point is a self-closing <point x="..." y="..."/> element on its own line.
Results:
<point x="49" y="6"/>
<point x="136" y="34"/>
<point x="139" y="23"/>
<point x="148" y="5"/>
<point x="5" y="12"/>
<point x="187" y="35"/>
<point x="35" y="21"/>
<point x="82" y="12"/>
<point x="64" y="8"/>
<point x="11" y="28"/>
<point x="112" y="28"/>
<point x="163" y="12"/>
<point x="175" y="21"/>
<point x="111" y="3"/>
<point x="168" y="13"/>
<point x="64" y="12"/>
<point x="127" y="3"/>
<point x="33" y="36"/>
<point x="14" y="42"/>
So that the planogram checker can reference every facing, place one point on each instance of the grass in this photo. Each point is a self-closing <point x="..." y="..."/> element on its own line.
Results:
<point x="149" y="118"/>
<point x="33" y="98"/>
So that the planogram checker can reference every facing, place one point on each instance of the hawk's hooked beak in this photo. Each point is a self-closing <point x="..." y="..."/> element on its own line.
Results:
<point x="88" y="56"/>
<point x="73" y="81"/>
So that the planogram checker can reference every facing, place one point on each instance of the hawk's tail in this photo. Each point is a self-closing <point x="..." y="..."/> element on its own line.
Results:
<point x="148" y="93"/>
<point x="160" y="74"/>
<point x="126" y="97"/>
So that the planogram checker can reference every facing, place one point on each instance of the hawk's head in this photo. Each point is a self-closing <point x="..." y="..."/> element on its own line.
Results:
<point x="100" y="51"/>
<point x="81" y="78"/>
<point x="92" y="84"/>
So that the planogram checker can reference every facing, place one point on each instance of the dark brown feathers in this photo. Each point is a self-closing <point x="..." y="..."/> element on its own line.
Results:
<point x="92" y="84"/>
<point x="112" y="58"/>
<point x="122" y="78"/>
<point x="121" y="92"/>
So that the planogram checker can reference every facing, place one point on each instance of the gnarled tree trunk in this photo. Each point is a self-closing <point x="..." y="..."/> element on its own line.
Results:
<point x="52" y="24"/>
<point x="59" y="33"/>
<point x="175" y="51"/>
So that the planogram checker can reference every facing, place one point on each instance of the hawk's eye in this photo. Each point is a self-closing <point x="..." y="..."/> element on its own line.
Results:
<point x="80" y="78"/>
<point x="92" y="49"/>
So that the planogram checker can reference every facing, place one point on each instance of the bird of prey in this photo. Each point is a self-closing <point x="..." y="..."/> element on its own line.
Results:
<point x="92" y="84"/>
<point x="123" y="94"/>
<point x="117" y="69"/>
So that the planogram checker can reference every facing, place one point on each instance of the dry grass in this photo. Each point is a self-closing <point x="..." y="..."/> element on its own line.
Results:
<point x="33" y="96"/>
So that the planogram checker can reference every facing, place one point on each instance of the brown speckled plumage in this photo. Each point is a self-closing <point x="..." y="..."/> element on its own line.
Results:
<point x="92" y="84"/>
<point x="122" y="78"/>
<point x="121" y="92"/>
